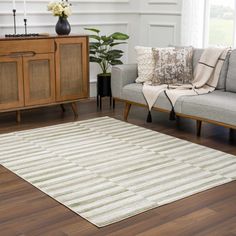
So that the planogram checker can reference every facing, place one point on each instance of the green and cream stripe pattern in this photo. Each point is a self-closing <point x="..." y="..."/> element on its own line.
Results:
<point x="107" y="170"/>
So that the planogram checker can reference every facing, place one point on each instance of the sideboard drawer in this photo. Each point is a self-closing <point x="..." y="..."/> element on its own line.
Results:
<point x="30" y="45"/>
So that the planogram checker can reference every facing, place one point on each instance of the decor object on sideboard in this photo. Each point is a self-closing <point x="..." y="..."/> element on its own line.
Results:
<point x="63" y="26"/>
<point x="61" y="9"/>
<point x="26" y="34"/>
<point x="25" y="18"/>
<point x="14" y="22"/>
<point x="25" y="25"/>
<point x="103" y="53"/>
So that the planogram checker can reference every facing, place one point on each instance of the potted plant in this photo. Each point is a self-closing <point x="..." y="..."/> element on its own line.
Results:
<point x="102" y="51"/>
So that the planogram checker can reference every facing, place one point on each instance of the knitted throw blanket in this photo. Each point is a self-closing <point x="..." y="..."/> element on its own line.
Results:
<point x="205" y="80"/>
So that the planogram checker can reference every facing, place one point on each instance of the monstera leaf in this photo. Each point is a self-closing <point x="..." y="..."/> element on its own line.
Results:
<point x="119" y="36"/>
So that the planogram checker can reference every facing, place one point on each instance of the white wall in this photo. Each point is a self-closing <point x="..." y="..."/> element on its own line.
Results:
<point x="160" y="22"/>
<point x="148" y="22"/>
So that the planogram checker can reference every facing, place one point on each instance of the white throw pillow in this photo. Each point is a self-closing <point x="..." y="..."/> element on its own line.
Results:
<point x="146" y="64"/>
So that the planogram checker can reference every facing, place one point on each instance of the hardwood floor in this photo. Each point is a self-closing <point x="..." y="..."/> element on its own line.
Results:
<point x="26" y="211"/>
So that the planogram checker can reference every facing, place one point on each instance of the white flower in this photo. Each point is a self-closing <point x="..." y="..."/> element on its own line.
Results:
<point x="61" y="8"/>
<point x="51" y="5"/>
<point x="67" y="11"/>
<point x="57" y="10"/>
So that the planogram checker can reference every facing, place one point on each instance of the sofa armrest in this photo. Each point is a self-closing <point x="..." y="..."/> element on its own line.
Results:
<point x="122" y="75"/>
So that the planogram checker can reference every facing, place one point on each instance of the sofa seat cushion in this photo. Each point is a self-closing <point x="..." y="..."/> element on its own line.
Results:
<point x="218" y="106"/>
<point x="133" y="92"/>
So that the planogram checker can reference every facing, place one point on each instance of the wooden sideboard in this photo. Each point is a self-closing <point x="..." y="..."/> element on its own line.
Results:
<point x="42" y="71"/>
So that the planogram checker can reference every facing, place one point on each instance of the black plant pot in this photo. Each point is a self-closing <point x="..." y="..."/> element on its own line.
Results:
<point x="103" y="88"/>
<point x="63" y="26"/>
<point x="104" y="85"/>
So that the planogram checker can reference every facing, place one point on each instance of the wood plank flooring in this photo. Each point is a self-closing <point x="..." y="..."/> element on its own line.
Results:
<point x="25" y="211"/>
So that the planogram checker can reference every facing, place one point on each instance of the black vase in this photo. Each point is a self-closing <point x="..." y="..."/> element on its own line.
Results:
<point x="63" y="26"/>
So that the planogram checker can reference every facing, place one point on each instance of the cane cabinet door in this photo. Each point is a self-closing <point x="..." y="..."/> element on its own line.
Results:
<point x="11" y="82"/>
<point x="39" y="79"/>
<point x="71" y="68"/>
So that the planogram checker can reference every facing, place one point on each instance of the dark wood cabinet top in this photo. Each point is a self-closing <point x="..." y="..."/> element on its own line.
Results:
<point x="42" y="36"/>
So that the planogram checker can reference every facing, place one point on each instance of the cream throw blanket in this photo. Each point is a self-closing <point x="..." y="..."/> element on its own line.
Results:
<point x="205" y="80"/>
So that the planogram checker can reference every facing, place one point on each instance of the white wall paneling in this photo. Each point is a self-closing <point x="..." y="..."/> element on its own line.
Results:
<point x="158" y="2"/>
<point x="160" y="22"/>
<point x="148" y="22"/>
<point x="166" y="31"/>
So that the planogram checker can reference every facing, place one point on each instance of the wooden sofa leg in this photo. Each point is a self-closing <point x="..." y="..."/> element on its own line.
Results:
<point x="199" y="127"/>
<point x="231" y="134"/>
<point x="177" y="120"/>
<point x="127" y="109"/>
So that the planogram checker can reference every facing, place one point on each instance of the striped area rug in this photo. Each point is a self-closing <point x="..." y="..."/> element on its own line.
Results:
<point x="107" y="170"/>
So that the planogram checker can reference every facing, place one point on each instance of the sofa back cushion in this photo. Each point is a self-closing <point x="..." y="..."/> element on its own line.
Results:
<point x="231" y="75"/>
<point x="146" y="64"/>
<point x="197" y="52"/>
<point x="223" y="74"/>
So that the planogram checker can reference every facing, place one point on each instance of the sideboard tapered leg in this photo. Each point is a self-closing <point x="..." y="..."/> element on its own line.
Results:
<point x="18" y="117"/>
<point x="63" y="108"/>
<point x="75" y="109"/>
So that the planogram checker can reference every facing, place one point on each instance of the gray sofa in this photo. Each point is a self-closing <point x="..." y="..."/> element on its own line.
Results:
<point x="218" y="107"/>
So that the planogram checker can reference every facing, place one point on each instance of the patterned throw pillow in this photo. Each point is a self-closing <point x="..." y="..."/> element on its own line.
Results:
<point x="173" y="66"/>
<point x="146" y="64"/>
